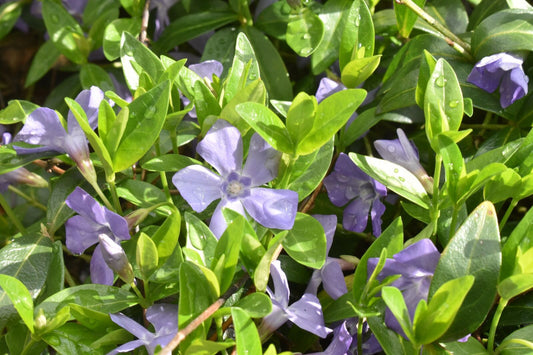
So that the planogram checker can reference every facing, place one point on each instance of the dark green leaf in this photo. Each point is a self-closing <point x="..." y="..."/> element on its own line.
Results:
<point x="304" y="31"/>
<point x="9" y="14"/>
<point x="358" y="33"/>
<point x="92" y="74"/>
<point x="44" y="59"/>
<point x="405" y="17"/>
<point x="16" y="111"/>
<point x="113" y="34"/>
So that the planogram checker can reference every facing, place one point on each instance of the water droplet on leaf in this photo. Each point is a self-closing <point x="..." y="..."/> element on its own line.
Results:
<point x="441" y="81"/>
<point x="53" y="340"/>
<point x="454" y="103"/>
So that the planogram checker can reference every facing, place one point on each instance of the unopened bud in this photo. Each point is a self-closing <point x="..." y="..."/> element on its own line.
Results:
<point x="116" y="258"/>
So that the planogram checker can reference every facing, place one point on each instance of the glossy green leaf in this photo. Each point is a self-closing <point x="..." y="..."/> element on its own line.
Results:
<point x="44" y="59"/>
<point x="98" y="27"/>
<point x="432" y="322"/>
<point x="450" y="13"/>
<point x="146" y="255"/>
<point x="443" y="102"/>
<point x="16" y="111"/>
<point x="274" y="19"/>
<point x="521" y="237"/>
<point x="470" y="347"/>
<point x="9" y="14"/>
<point x="262" y="271"/>
<point x="473" y="250"/>
<point x="20" y="297"/>
<point x="454" y="165"/>
<point x="267" y="124"/>
<point x="253" y="92"/>
<point x="358" y="33"/>
<point x="146" y="119"/>
<point x="394" y="177"/>
<point x="207" y="347"/>
<point x="141" y="193"/>
<point x="221" y="46"/>
<point x="330" y="118"/>
<point x="133" y="51"/>
<point x="65" y="32"/>
<point x="334" y="16"/>
<point x="519" y="342"/>
<point x="191" y="26"/>
<point x="394" y="300"/>
<point x="301" y="116"/>
<point x="358" y="127"/>
<point x="427" y="66"/>
<point x="304" y="31"/>
<point x="246" y="333"/>
<point x="169" y="162"/>
<point x="94" y="75"/>
<point x="504" y="31"/>
<point x="405" y="17"/>
<point x="200" y="238"/>
<point x="256" y="305"/>
<point x="388" y="339"/>
<point x="113" y="34"/>
<point x="71" y="338"/>
<point x="515" y="285"/>
<point x="101" y="298"/>
<point x="306" y="241"/>
<point x="356" y="71"/>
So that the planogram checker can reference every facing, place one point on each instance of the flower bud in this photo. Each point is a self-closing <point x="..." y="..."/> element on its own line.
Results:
<point x="116" y="258"/>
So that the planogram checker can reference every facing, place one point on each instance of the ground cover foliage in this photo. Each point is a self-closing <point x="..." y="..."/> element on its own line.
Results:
<point x="266" y="177"/>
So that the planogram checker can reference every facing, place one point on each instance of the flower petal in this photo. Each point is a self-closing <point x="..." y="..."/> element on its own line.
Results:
<point x="218" y="223"/>
<point x="43" y="128"/>
<point x="207" y="69"/>
<point x="131" y="326"/>
<point x="89" y="100"/>
<point x="281" y="284"/>
<point x="340" y="344"/>
<point x="272" y="208"/>
<point x="378" y="208"/>
<point x="355" y="215"/>
<point x="513" y="87"/>
<point x="164" y="317"/>
<point x="100" y="272"/>
<point x="262" y="162"/>
<point x="81" y="233"/>
<point x="222" y="148"/>
<point x="329" y="223"/>
<point x="333" y="279"/>
<point x="198" y="186"/>
<point x="306" y="313"/>
<point x="328" y="87"/>
<point x="422" y="255"/>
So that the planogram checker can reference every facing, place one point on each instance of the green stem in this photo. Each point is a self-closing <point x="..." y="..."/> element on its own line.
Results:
<point x="287" y="172"/>
<point x="102" y="196"/>
<point x="510" y="209"/>
<point x="31" y="200"/>
<point x="494" y="324"/>
<point x="435" y="201"/>
<point x="450" y="37"/>
<point x="142" y="301"/>
<point x="162" y="174"/>
<point x="68" y="278"/>
<point x="11" y="214"/>
<point x="453" y="223"/>
<point x="360" y="335"/>
<point x="114" y="196"/>
<point x="28" y="347"/>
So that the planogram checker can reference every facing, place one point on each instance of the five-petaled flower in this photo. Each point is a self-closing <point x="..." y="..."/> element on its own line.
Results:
<point x="43" y="128"/>
<point x="85" y="229"/>
<point x="503" y="70"/>
<point x="415" y="265"/>
<point x="349" y="183"/>
<point x="403" y="152"/>
<point x="236" y="185"/>
<point x="164" y="318"/>
<point x="306" y="313"/>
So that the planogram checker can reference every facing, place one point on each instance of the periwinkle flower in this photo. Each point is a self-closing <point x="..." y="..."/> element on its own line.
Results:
<point x="43" y="128"/>
<point x="403" y="152"/>
<point x="349" y="184"/>
<point x="306" y="313"/>
<point x="115" y="257"/>
<point x="340" y="344"/>
<point x="205" y="70"/>
<point x="330" y="274"/>
<point x="416" y="265"/>
<point x="237" y="186"/>
<point x="328" y="87"/>
<point x="85" y="229"/>
<point x="161" y="20"/>
<point x="164" y="318"/>
<point x="503" y="70"/>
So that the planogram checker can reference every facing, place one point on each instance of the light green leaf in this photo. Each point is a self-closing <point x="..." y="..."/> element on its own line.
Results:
<point x="20" y="297"/>
<point x="146" y="256"/>
<point x="304" y="31"/>
<point x="306" y="241"/>
<point x="246" y="334"/>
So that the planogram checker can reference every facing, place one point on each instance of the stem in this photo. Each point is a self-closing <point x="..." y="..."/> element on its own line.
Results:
<point x="360" y="322"/>
<point x="144" y="22"/>
<point x="450" y="37"/>
<point x="31" y="200"/>
<point x="101" y="195"/>
<point x="182" y="334"/>
<point x="162" y="174"/>
<point x="510" y="209"/>
<point x="11" y="214"/>
<point x="114" y="196"/>
<point x="68" y="278"/>
<point x="287" y="173"/>
<point x="143" y="303"/>
<point x="494" y="324"/>
<point x="435" y="201"/>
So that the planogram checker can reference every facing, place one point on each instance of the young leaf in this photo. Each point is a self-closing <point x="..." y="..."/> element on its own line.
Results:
<point x="132" y="51"/>
<point x="20" y="297"/>
<point x="394" y="300"/>
<point x="304" y="31"/>
<point x="246" y="334"/>
<point x="356" y="71"/>
<point x="306" y="241"/>
<point x="146" y="255"/>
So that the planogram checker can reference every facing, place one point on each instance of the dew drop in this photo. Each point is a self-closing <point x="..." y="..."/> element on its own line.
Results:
<point x="55" y="18"/>
<point x="402" y="179"/>
<point x="306" y="50"/>
<point x="453" y="103"/>
<point x="54" y="340"/>
<point x="441" y="81"/>
<point x="396" y="171"/>
<point x="306" y="36"/>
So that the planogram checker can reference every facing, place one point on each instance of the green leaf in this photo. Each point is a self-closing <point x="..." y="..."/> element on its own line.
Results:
<point x="504" y="31"/>
<point x="92" y="74"/>
<point x="405" y="17"/>
<point x="331" y="115"/>
<point x="473" y="250"/>
<point x="443" y="102"/>
<point x="306" y="241"/>
<point x="274" y="19"/>
<point x="262" y="271"/>
<point x="358" y="70"/>
<point x="191" y="26"/>
<point x="470" y="347"/>
<point x="27" y="259"/>
<point x="169" y="162"/>
<point x="394" y="300"/>
<point x="72" y="338"/>
<point x="65" y="32"/>
<point x="521" y="237"/>
<point x="515" y="285"/>
<point x="57" y="211"/>
<point x="253" y="92"/>
<point x="267" y="124"/>
<point x="334" y="16"/>
<point x="20" y="297"/>
<point x="55" y="281"/>
<point x="432" y="322"/>
<point x="44" y="59"/>
<point x="16" y="111"/>
<point x="97" y="29"/>
<point x="256" y="305"/>
<point x="246" y="334"/>
<point x="358" y="127"/>
<point x="388" y="339"/>
<point x="301" y="116"/>
<point x="146" y="119"/>
<point x="207" y="347"/>
<point x="100" y="298"/>
<point x="358" y="33"/>
<point x="394" y="177"/>
<point x="454" y="165"/>
<point x="146" y="255"/>
<point x="221" y="46"/>
<point x="9" y="14"/>
<point x="133" y="51"/>
<point x="519" y="342"/>
<point x="427" y="66"/>
<point x="113" y="34"/>
<point x="304" y="31"/>
<point x="200" y="238"/>
<point x="141" y="193"/>
<point x="271" y="65"/>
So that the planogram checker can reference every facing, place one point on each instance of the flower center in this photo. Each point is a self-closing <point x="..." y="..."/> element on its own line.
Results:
<point x="236" y="186"/>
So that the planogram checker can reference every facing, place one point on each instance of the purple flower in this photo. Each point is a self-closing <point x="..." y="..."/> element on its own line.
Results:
<point x="161" y="20"/>
<point x="205" y="70"/>
<point x="328" y="87"/>
<point x="503" y="70"/>
<point x="164" y="318"/>
<point x="43" y="128"/>
<point x="349" y="183"/>
<point x="305" y="313"/>
<point x="403" y="152"/>
<point x="340" y="344"/>
<point x="85" y="229"/>
<point x="237" y="186"/>
<point x="416" y="265"/>
<point x="115" y="257"/>
<point x="330" y="274"/>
